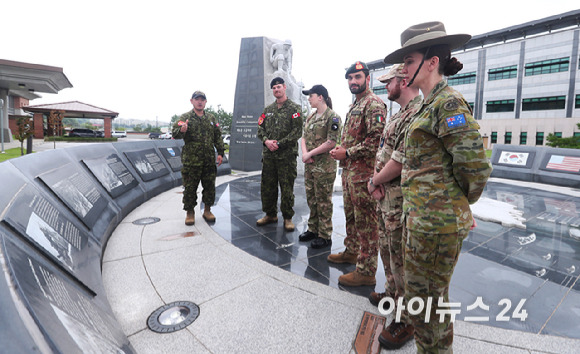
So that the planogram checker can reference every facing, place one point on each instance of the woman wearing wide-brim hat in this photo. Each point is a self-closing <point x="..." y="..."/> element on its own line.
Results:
<point x="445" y="169"/>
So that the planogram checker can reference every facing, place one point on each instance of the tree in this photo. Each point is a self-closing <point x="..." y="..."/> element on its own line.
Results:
<point x="24" y="130"/>
<point x="572" y="142"/>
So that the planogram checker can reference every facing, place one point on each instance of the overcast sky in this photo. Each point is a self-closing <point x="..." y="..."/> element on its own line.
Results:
<point x="144" y="59"/>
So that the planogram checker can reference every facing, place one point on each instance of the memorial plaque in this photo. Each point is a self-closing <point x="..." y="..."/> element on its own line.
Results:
<point x="71" y="317"/>
<point x="367" y="337"/>
<point x="112" y="173"/>
<point x="148" y="164"/>
<point x="562" y="163"/>
<point x="45" y="226"/>
<point x="173" y="156"/>
<point x="249" y="102"/>
<point x="77" y="191"/>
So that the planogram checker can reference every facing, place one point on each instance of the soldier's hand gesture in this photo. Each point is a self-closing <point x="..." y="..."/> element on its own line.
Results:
<point x="184" y="126"/>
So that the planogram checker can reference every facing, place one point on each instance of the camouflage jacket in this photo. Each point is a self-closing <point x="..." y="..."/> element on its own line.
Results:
<point x="365" y="121"/>
<point x="445" y="167"/>
<point x="283" y="124"/>
<point x="317" y="131"/>
<point x="392" y="145"/>
<point x="202" y="135"/>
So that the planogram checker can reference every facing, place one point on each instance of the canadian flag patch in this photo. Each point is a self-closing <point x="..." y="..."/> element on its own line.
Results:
<point x="296" y="115"/>
<point x="261" y="119"/>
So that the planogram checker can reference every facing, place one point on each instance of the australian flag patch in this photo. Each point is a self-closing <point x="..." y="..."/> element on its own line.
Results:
<point x="456" y="121"/>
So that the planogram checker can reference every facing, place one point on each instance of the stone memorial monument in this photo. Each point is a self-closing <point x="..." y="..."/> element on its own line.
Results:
<point x="261" y="60"/>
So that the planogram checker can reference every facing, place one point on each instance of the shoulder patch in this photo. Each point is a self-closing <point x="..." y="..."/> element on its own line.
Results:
<point x="261" y="119"/>
<point x="334" y="126"/>
<point x="296" y="115"/>
<point x="451" y="104"/>
<point x="380" y="118"/>
<point x="456" y="121"/>
<point x="335" y="119"/>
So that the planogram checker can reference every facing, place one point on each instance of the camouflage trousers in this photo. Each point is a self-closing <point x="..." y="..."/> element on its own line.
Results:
<point x="362" y="224"/>
<point x="392" y="251"/>
<point x="319" y="186"/>
<point x="192" y="175"/>
<point x="278" y="172"/>
<point x="429" y="263"/>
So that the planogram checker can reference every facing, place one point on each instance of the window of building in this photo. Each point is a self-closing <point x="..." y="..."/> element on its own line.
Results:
<point x="539" y="138"/>
<point x="543" y="103"/>
<point x="508" y="138"/>
<point x="548" y="66"/>
<point x="494" y="137"/>
<point x="380" y="90"/>
<point x="523" y="138"/>
<point x="558" y="134"/>
<point x="577" y="102"/>
<point x="500" y="106"/>
<point x="507" y="72"/>
<point x="462" y="79"/>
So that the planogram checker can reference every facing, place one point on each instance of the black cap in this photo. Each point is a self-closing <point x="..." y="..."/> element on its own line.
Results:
<point x="197" y="94"/>
<point x="277" y="81"/>
<point x="317" y="89"/>
<point x="358" y="66"/>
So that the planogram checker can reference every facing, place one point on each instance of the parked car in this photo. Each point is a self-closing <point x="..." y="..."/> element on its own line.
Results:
<point x="82" y="133"/>
<point x="118" y="134"/>
<point x="227" y="139"/>
<point x="154" y="135"/>
<point x="166" y="136"/>
<point x="99" y="133"/>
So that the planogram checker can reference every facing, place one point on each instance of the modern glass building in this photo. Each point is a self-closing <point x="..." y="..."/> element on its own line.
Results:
<point x="523" y="82"/>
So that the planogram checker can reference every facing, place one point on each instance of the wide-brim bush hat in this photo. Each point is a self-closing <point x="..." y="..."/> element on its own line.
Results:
<point x="425" y="35"/>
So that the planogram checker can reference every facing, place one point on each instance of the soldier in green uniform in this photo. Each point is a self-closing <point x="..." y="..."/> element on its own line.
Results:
<point x="321" y="132"/>
<point x="444" y="171"/>
<point x="279" y="128"/>
<point x="385" y="186"/>
<point x="201" y="134"/>
<point x="364" y="124"/>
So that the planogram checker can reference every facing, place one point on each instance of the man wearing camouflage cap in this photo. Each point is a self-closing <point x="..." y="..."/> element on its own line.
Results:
<point x="201" y="134"/>
<point x="279" y="128"/>
<point x="385" y="186"/>
<point x="364" y="123"/>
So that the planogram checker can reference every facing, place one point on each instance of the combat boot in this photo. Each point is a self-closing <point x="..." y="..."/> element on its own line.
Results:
<point x="288" y="225"/>
<point x="342" y="257"/>
<point x="207" y="215"/>
<point x="190" y="218"/>
<point x="267" y="220"/>
<point x="396" y="335"/>
<point x="356" y="279"/>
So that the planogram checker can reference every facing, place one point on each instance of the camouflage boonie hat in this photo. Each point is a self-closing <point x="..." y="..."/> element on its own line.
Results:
<point x="197" y="94"/>
<point x="358" y="66"/>
<point x="396" y="71"/>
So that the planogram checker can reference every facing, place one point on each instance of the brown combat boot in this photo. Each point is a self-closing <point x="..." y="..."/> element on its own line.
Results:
<point x="396" y="335"/>
<point x="342" y="257"/>
<point x="207" y="215"/>
<point x="190" y="218"/>
<point x="288" y="225"/>
<point x="375" y="297"/>
<point x="267" y="220"/>
<point x="356" y="279"/>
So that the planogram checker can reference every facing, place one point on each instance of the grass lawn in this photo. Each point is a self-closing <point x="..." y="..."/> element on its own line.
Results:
<point x="10" y="154"/>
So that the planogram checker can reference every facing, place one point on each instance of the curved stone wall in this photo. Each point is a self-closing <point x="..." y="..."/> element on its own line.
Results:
<point x="57" y="211"/>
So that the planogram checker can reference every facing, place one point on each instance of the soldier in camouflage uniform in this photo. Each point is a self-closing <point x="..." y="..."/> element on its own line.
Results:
<point x="201" y="134"/>
<point x="385" y="186"/>
<point x="321" y="132"/>
<point x="360" y="139"/>
<point x="444" y="171"/>
<point x="279" y="128"/>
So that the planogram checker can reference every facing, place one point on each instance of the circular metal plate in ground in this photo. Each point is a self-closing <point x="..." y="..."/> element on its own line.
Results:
<point x="146" y="221"/>
<point x="173" y="317"/>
